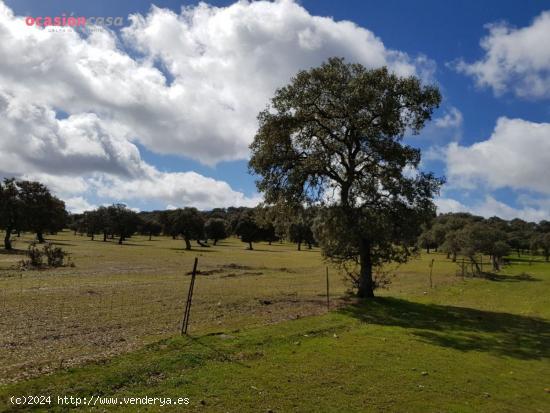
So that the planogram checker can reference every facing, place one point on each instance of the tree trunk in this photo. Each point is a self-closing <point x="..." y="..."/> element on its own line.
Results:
<point x="366" y="283"/>
<point x="454" y="256"/>
<point x="427" y="250"/>
<point x="18" y="233"/>
<point x="104" y="237"/>
<point x="250" y="245"/>
<point x="40" y="237"/>
<point x="150" y="236"/>
<point x="187" y="244"/>
<point x="93" y="236"/>
<point x="299" y="246"/>
<point x="309" y="246"/>
<point x="215" y="241"/>
<point x="120" y="239"/>
<point x="474" y="263"/>
<point x="7" y="240"/>
<point x="495" y="263"/>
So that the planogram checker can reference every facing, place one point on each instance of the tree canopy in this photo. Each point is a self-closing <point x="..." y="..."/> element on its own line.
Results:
<point x="333" y="136"/>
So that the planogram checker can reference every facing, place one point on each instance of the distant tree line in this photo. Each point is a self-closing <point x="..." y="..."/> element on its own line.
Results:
<point x="473" y="236"/>
<point x="251" y="225"/>
<point x="29" y="206"/>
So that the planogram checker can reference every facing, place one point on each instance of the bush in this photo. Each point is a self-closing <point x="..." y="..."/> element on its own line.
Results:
<point x="35" y="256"/>
<point x="54" y="255"/>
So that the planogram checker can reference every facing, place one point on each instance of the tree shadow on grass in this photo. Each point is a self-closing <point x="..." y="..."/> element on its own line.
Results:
<point x="510" y="278"/>
<point x="67" y="244"/>
<point x="464" y="329"/>
<point x="13" y="251"/>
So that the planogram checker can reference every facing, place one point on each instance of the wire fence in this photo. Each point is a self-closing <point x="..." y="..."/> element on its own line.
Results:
<point x="48" y="324"/>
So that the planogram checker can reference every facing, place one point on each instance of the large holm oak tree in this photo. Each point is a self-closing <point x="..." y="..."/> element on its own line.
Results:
<point x="333" y="137"/>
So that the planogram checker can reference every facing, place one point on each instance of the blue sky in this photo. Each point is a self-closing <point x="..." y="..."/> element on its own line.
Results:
<point x="445" y="34"/>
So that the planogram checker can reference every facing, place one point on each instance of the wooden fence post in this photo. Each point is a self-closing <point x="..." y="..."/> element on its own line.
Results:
<point x="328" y="295"/>
<point x="185" y="322"/>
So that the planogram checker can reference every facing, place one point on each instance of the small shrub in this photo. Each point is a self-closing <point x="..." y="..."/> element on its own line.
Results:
<point x="54" y="255"/>
<point x="35" y="256"/>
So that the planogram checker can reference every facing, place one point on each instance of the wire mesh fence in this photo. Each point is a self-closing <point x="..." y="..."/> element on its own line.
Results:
<point x="49" y="323"/>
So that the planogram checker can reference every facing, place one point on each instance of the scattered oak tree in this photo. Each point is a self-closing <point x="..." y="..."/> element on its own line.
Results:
<point x="215" y="229"/>
<point x="333" y="136"/>
<point x="10" y="209"/>
<point x="187" y="222"/>
<point x="247" y="229"/>
<point x="41" y="211"/>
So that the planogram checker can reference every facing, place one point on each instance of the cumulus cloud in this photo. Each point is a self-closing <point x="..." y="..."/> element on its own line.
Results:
<point x="83" y="154"/>
<point x="73" y="105"/>
<point x="78" y="205"/>
<point x="219" y="67"/>
<point x="490" y="207"/>
<point x="515" y="59"/>
<point x="516" y="156"/>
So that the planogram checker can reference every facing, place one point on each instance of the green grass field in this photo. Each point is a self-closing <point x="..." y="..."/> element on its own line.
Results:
<point x="472" y="345"/>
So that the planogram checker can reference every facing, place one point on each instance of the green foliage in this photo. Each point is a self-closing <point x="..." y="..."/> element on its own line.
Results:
<point x="334" y="136"/>
<point x="187" y="222"/>
<point x="248" y="229"/>
<point x="55" y="256"/>
<point x="35" y="256"/>
<point x="215" y="229"/>
<point x="29" y="206"/>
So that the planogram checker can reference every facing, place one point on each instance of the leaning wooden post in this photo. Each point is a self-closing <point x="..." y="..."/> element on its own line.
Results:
<point x="185" y="322"/>
<point x="431" y="270"/>
<point x="328" y="294"/>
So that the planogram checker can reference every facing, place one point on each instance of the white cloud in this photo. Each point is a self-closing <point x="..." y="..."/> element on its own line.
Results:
<point x="515" y="59"/>
<point x="222" y="66"/>
<point x="72" y="105"/>
<point x="176" y="188"/>
<point x="451" y="119"/>
<point x="490" y="207"/>
<point x="84" y="155"/>
<point x="78" y="204"/>
<point x="516" y="155"/>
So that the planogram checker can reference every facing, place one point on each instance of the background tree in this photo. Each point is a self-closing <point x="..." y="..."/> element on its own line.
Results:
<point x="189" y="223"/>
<point x="333" y="136"/>
<point x="542" y="241"/>
<point x="215" y="229"/>
<point x="10" y="209"/>
<point x="519" y="234"/>
<point x="426" y="240"/>
<point x="122" y="220"/>
<point x="452" y="244"/>
<point x="247" y="229"/>
<point x="42" y="212"/>
<point x="149" y="226"/>
<point x="300" y="232"/>
<point x="93" y="223"/>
